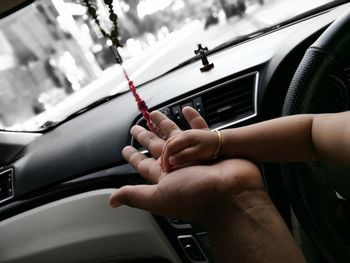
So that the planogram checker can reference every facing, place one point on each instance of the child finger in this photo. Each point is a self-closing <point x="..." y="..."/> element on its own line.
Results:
<point x="174" y="146"/>
<point x="185" y="156"/>
<point x="166" y="167"/>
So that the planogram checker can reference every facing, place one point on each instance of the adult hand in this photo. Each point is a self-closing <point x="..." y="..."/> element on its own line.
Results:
<point x="193" y="193"/>
<point x="227" y="197"/>
<point x="189" y="193"/>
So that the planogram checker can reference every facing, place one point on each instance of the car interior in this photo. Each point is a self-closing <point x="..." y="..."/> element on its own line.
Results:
<point x="55" y="182"/>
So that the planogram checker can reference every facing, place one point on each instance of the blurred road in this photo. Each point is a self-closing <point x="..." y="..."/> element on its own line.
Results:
<point x="178" y="47"/>
<point x="181" y="44"/>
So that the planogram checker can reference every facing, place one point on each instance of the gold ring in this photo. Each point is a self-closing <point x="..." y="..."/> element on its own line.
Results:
<point x="218" y="149"/>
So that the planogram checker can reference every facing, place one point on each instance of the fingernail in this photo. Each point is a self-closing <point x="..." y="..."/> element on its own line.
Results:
<point x="172" y="160"/>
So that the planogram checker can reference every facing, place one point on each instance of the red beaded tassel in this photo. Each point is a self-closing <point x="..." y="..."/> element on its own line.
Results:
<point x="113" y="36"/>
<point x="141" y="104"/>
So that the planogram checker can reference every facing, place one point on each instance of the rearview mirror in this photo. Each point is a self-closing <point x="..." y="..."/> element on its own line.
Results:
<point x="9" y="6"/>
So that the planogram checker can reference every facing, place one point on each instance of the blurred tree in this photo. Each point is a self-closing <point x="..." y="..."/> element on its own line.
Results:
<point x="196" y="9"/>
<point x="225" y="7"/>
<point x="132" y="26"/>
<point x="133" y="16"/>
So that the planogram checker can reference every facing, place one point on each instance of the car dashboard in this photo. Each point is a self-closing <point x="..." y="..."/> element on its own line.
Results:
<point x="54" y="191"/>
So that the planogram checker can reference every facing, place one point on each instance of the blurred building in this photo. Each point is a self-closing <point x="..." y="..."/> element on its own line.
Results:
<point x="44" y="57"/>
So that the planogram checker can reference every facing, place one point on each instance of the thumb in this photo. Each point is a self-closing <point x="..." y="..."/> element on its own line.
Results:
<point x="138" y="196"/>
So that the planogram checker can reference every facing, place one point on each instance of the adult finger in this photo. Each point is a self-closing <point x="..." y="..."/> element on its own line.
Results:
<point x="143" y="164"/>
<point x="140" y="196"/>
<point x="194" y="119"/>
<point x="166" y="126"/>
<point x="148" y="139"/>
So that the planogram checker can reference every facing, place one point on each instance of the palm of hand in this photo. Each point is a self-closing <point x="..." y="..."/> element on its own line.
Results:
<point x="193" y="192"/>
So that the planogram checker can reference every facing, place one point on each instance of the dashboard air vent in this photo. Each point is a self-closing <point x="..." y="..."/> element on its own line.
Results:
<point x="6" y="185"/>
<point x="221" y="106"/>
<point x="230" y="101"/>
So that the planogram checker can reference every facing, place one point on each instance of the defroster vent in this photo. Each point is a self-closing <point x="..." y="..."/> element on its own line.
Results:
<point x="6" y="185"/>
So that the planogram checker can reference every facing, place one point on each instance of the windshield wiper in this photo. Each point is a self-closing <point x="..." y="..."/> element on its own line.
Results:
<point x="49" y="125"/>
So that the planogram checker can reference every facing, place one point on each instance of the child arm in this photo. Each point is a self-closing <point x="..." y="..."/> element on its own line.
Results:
<point x="293" y="138"/>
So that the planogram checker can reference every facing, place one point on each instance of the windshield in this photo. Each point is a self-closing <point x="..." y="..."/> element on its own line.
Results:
<point x="55" y="60"/>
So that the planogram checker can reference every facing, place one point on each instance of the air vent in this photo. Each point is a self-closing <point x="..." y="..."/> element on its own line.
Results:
<point x="230" y="101"/>
<point x="6" y="185"/>
<point x="221" y="106"/>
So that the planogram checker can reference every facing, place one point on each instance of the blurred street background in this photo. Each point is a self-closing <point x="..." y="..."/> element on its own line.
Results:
<point x="53" y="56"/>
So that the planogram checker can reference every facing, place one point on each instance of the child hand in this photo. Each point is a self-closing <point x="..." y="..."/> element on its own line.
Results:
<point x="189" y="147"/>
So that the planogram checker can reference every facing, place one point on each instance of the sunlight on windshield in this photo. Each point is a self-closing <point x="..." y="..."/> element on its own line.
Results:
<point x="55" y="61"/>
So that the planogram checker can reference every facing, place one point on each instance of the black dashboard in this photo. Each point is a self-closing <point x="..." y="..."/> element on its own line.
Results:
<point x="247" y="85"/>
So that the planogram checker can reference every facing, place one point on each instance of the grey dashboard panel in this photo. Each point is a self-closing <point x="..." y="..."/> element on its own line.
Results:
<point x="13" y="142"/>
<point x="94" y="140"/>
<point x="82" y="228"/>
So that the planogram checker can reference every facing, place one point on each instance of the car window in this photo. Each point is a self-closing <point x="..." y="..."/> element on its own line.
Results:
<point x="55" y="61"/>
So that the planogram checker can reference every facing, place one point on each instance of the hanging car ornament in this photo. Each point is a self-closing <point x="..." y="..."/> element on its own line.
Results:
<point x="114" y="37"/>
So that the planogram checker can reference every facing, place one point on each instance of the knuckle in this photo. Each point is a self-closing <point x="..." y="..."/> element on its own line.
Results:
<point x="142" y="134"/>
<point x="139" y="136"/>
<point x="149" y="140"/>
<point x="170" y="124"/>
<point x="128" y="152"/>
<point x="189" y="134"/>
<point x="162" y="122"/>
<point x="153" y="138"/>
<point x="134" y="158"/>
<point x="136" y="130"/>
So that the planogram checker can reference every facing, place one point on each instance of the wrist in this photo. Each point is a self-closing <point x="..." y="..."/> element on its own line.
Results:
<point x="250" y="229"/>
<point x="249" y="203"/>
<point x="234" y="144"/>
<point x="224" y="136"/>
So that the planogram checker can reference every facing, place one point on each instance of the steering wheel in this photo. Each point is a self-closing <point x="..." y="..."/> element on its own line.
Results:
<point x="318" y="192"/>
